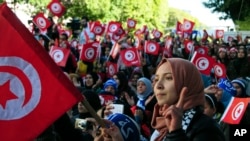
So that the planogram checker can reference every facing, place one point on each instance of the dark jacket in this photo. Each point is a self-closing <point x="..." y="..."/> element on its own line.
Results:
<point x="201" y="128"/>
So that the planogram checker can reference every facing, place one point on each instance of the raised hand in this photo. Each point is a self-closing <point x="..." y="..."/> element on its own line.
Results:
<point x="174" y="113"/>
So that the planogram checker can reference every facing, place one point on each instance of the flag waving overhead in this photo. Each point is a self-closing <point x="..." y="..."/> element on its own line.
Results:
<point x="56" y="8"/>
<point x="34" y="90"/>
<point x="203" y="63"/>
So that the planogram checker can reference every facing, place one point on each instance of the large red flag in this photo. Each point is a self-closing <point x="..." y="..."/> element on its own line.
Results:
<point x="235" y="110"/>
<point x="34" y="90"/>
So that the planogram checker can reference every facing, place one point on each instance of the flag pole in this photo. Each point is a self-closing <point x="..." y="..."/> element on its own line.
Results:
<point x="93" y="113"/>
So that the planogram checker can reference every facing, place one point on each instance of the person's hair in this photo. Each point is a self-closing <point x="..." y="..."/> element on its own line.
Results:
<point x="65" y="35"/>
<point x="93" y="99"/>
<point x="86" y="18"/>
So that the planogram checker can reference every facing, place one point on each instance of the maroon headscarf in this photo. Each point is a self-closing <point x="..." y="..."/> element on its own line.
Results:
<point x="185" y="74"/>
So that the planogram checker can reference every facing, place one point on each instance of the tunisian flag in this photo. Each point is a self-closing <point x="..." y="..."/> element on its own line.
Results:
<point x="56" y="8"/>
<point x="235" y="110"/>
<point x="59" y="55"/>
<point x="203" y="63"/>
<point x="34" y="90"/>
<point x="130" y="57"/>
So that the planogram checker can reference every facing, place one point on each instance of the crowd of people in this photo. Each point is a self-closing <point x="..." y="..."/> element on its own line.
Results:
<point x="166" y="98"/>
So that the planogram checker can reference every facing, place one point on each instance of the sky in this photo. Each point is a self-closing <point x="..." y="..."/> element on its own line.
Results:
<point x="196" y="9"/>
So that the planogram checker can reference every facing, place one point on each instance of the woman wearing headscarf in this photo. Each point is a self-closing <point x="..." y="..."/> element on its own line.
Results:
<point x="178" y="114"/>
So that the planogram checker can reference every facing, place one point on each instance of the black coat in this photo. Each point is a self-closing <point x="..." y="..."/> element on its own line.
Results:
<point x="201" y="128"/>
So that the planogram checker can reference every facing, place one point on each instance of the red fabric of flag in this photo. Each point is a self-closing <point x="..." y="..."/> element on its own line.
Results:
<point x="56" y="8"/>
<point x="34" y="90"/>
<point x="59" y="55"/>
<point x="88" y="52"/>
<point x="41" y="22"/>
<point x="187" y="26"/>
<point x="203" y="63"/>
<point x="152" y="47"/>
<point x="112" y="69"/>
<point x="130" y="57"/>
<point x="220" y="70"/>
<point x="219" y="34"/>
<point x="235" y="110"/>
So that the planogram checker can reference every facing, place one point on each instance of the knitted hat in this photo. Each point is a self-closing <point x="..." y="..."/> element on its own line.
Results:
<point x="211" y="100"/>
<point x="227" y="86"/>
<point x="233" y="50"/>
<point x="128" y="127"/>
<point x="242" y="84"/>
<point x="222" y="50"/>
<point x="110" y="82"/>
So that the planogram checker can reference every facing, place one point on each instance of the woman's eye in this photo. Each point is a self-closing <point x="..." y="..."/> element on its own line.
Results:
<point x="169" y="78"/>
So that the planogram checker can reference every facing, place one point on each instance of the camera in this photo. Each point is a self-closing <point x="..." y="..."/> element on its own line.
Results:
<point x="82" y="124"/>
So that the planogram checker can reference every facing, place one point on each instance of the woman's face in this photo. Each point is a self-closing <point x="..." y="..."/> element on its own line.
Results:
<point x="116" y="80"/>
<point x="81" y="108"/>
<point x="110" y="89"/>
<point x="238" y="89"/>
<point x="208" y="109"/>
<point x="222" y="54"/>
<point x="241" y="53"/>
<point x="164" y="87"/>
<point x="89" y="80"/>
<point x="134" y="79"/>
<point x="141" y="87"/>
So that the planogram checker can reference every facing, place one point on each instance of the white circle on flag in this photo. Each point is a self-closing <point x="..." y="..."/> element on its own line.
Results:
<point x="26" y="99"/>
<point x="218" y="70"/>
<point x="129" y="55"/>
<point x="56" y="8"/>
<point x="151" y="47"/>
<point x="220" y="33"/>
<point x="189" y="46"/>
<point x="41" y="22"/>
<point x="89" y="53"/>
<point x="202" y="63"/>
<point x="97" y="30"/>
<point x="187" y="25"/>
<point x="57" y="55"/>
<point x="157" y="34"/>
<point x="201" y="50"/>
<point x="113" y="28"/>
<point x="131" y="23"/>
<point x="237" y="110"/>
<point x="111" y="70"/>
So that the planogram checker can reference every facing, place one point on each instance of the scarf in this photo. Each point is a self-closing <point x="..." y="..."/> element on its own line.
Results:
<point x="158" y="121"/>
<point x="185" y="74"/>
